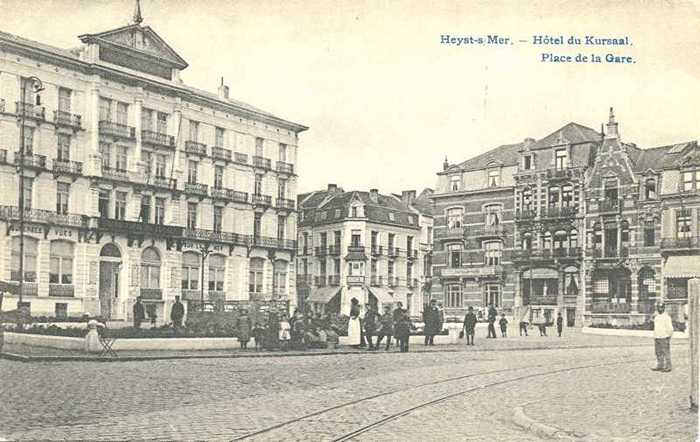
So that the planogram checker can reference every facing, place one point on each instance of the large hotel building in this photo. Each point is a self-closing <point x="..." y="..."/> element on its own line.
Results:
<point x="578" y="222"/>
<point x="136" y="184"/>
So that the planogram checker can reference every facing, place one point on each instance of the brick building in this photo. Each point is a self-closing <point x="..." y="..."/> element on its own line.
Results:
<point x="138" y="184"/>
<point x="363" y="245"/>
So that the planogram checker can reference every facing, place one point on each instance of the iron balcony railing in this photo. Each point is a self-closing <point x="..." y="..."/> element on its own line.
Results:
<point x="412" y="253"/>
<point x="320" y="281"/>
<point x="239" y="157"/>
<point x="412" y="282"/>
<point x="285" y="203"/>
<point x="609" y="252"/>
<point x="229" y="194"/>
<point x="487" y="231"/>
<point x="691" y="242"/>
<point x="609" y="205"/>
<point x="219" y="153"/>
<point x="525" y="214"/>
<point x="392" y="281"/>
<point x="31" y="160"/>
<point x="304" y="279"/>
<point x="559" y="212"/>
<point x="157" y="139"/>
<point x="115" y="173"/>
<point x="44" y="216"/>
<point x="64" y="118"/>
<point x="321" y="251"/>
<point x="334" y="280"/>
<point x="354" y="280"/>
<point x="161" y="181"/>
<point x="195" y="148"/>
<point x="140" y="228"/>
<point x="542" y="300"/>
<point x="377" y="250"/>
<point x="151" y="294"/>
<point x="261" y="162"/>
<point x="197" y="189"/>
<point x="217" y="236"/>
<point x="116" y="129"/>
<point x="393" y="251"/>
<point x="448" y="233"/>
<point x="283" y="167"/>
<point x="610" y="307"/>
<point x="68" y="167"/>
<point x="62" y="290"/>
<point x="29" y="110"/>
<point x="261" y="200"/>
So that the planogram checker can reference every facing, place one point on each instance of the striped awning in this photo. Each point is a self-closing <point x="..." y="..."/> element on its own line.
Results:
<point x="322" y="295"/>
<point x="382" y="295"/>
<point x="682" y="267"/>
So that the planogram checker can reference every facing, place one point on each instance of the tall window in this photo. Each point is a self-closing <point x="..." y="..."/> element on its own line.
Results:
<point x="219" y="136"/>
<point x="162" y="123"/>
<point x="105" y="109"/>
<point x="122" y="113"/>
<point x="62" y="197"/>
<point x="281" y="227"/>
<point x="160" y="166"/>
<point x="573" y="239"/>
<point x="683" y="223"/>
<point x="63" y="147"/>
<point x="160" y="211"/>
<point x="559" y="239"/>
<point x="61" y="263"/>
<point x="493" y="215"/>
<point x="146" y="119"/>
<point x="453" y="295"/>
<point x="120" y="163"/>
<point x="374" y="239"/>
<point x="493" y="251"/>
<point x="560" y="159"/>
<point x="527" y="241"/>
<point x="282" y="154"/>
<point x="494" y="178"/>
<point x="258" y="184"/>
<point x="106" y="151"/>
<point x="567" y="196"/>
<point x="217" y="269"/>
<point x="190" y="271"/>
<point x="147" y="158"/>
<point x="454" y="254"/>
<point x="391" y="266"/>
<point x="355" y="238"/>
<point x="192" y="172"/>
<point x="280" y="277"/>
<point x="554" y="196"/>
<point x="409" y="272"/>
<point x="527" y="162"/>
<point x="281" y="188"/>
<point x="527" y="199"/>
<point x="31" y="246"/>
<point x="191" y="215"/>
<point x="610" y="189"/>
<point x="259" y="147"/>
<point x="218" y="218"/>
<point x="649" y="233"/>
<point x="257" y="225"/>
<point x="64" y="99"/>
<point x="103" y="203"/>
<point x="150" y="269"/>
<point x="255" y="275"/>
<point x="455" y="218"/>
<point x="455" y="182"/>
<point x="647" y="284"/>
<point x="492" y="295"/>
<point x="691" y="180"/>
<point x="28" y="140"/>
<point x="145" y="215"/>
<point x="120" y="206"/>
<point x="218" y="177"/>
<point x="650" y="189"/>
<point x="194" y="131"/>
<point x="28" y="184"/>
<point x="547" y="240"/>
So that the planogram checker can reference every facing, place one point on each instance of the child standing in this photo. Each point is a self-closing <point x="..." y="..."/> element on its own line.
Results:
<point x="285" y="334"/>
<point x="504" y="325"/>
<point x="258" y="335"/>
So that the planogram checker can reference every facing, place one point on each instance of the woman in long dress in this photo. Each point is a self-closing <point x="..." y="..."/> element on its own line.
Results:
<point x="243" y="325"/>
<point x="354" y="326"/>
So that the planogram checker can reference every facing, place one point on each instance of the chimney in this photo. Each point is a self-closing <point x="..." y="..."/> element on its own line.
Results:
<point x="408" y="197"/>
<point x="528" y="141"/>
<point x="374" y="195"/>
<point x="223" y="90"/>
<point x="332" y="188"/>
<point x="612" y="127"/>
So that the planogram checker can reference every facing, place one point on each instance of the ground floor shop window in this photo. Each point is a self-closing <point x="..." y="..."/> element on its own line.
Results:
<point x="190" y="271"/>
<point x="31" y="247"/>
<point x="454" y="296"/>
<point x="677" y="288"/>
<point x="150" y="269"/>
<point x="61" y="263"/>
<point x="255" y="275"/>
<point x="217" y="265"/>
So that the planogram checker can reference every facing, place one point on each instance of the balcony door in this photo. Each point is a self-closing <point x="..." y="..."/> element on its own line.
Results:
<point x="110" y="264"/>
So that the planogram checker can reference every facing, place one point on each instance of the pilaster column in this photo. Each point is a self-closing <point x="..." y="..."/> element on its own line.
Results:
<point x="138" y="110"/>
<point x="619" y="235"/>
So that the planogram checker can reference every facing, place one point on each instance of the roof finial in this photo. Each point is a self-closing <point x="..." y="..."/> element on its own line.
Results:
<point x="611" y="118"/>
<point x="137" y="13"/>
<point x="446" y="164"/>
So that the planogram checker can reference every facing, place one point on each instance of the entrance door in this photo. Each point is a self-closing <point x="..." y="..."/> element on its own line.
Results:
<point x="109" y="286"/>
<point x="570" y="316"/>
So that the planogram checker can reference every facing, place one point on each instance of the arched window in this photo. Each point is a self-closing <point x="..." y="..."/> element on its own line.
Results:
<point x="493" y="250"/>
<point x="191" y="270"/>
<point x="573" y="239"/>
<point x="217" y="267"/>
<point x="597" y="235"/>
<point x="255" y="275"/>
<point x="624" y="231"/>
<point x="559" y="239"/>
<point x="547" y="243"/>
<point x="110" y="251"/>
<point x="647" y="284"/>
<point x="280" y="277"/>
<point x="650" y="188"/>
<point x="527" y="241"/>
<point x="61" y="262"/>
<point x="150" y="269"/>
<point x="31" y="247"/>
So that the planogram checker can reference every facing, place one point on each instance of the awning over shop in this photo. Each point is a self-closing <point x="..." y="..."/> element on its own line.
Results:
<point x="682" y="267"/>
<point x="9" y="287"/>
<point x="323" y="295"/>
<point x="382" y="295"/>
<point x="541" y="273"/>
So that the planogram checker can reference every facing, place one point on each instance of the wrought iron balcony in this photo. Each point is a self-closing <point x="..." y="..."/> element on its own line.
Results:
<point x="376" y="281"/>
<point x="412" y="254"/>
<point x="320" y="281"/>
<point x="43" y="216"/>
<point x="525" y="214"/>
<point x="117" y="130"/>
<point x="197" y="189"/>
<point x="29" y="110"/>
<point x="140" y="228"/>
<point x="448" y="233"/>
<point x="283" y="167"/>
<point x="152" y="294"/>
<point x="609" y="206"/>
<point x="196" y="148"/>
<point x="261" y="200"/>
<point x="560" y="212"/>
<point x="354" y="280"/>
<point x="240" y="157"/>
<point x="157" y="139"/>
<point x="334" y="250"/>
<point x="68" y="167"/>
<point x="377" y="250"/>
<point x="609" y="252"/>
<point x="115" y="173"/>
<point x="271" y="243"/>
<point x="689" y="243"/>
<point x="542" y="300"/>
<point x="498" y="230"/>
<point x="219" y="153"/>
<point x="304" y="279"/>
<point x="161" y="181"/>
<point x="392" y="281"/>
<point x="63" y="118"/>
<point x="62" y="290"/>
<point x="262" y="163"/>
<point x="610" y="307"/>
<point x="412" y="282"/>
<point x="30" y="160"/>
<point x="393" y="252"/>
<point x="217" y="236"/>
<point x="557" y="173"/>
<point x="285" y="203"/>
<point x="229" y="195"/>
<point x="334" y="280"/>
<point x="321" y="251"/>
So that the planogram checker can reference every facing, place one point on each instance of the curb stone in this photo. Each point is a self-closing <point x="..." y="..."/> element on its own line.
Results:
<point x="538" y="428"/>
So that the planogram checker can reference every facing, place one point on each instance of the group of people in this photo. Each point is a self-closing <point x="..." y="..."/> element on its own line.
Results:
<point x="387" y="325"/>
<point x="470" y="320"/>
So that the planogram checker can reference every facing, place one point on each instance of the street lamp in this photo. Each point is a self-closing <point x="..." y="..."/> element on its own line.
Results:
<point x="36" y="86"/>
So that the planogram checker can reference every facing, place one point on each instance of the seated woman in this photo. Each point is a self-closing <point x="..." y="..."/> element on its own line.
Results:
<point x="316" y="336"/>
<point x="298" y="333"/>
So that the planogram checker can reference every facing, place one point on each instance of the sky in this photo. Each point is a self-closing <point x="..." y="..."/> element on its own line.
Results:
<point x="385" y="101"/>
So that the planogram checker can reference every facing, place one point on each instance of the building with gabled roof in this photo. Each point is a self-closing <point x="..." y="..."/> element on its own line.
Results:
<point x="363" y="245"/>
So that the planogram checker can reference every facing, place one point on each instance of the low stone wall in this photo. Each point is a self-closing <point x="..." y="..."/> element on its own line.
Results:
<point x="622" y="332"/>
<point x="60" y="342"/>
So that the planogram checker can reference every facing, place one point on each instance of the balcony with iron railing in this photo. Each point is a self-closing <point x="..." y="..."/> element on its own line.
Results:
<point x="610" y="307"/>
<point x="559" y="212"/>
<point x="283" y="167"/>
<point x="41" y="216"/>
<point x="320" y="281"/>
<point x="376" y="281"/>
<point x="541" y="300"/>
<point x="494" y="231"/>
<point x="568" y="172"/>
<point x="609" y="252"/>
<point x="139" y="228"/>
<point x="609" y="206"/>
<point x="151" y="294"/>
<point x="63" y="118"/>
<point x="680" y="244"/>
<point x="321" y="251"/>
<point x="159" y="181"/>
<point x="62" y="290"/>
<point x="215" y="236"/>
<point x="220" y="153"/>
<point x="525" y="214"/>
<point x="285" y="203"/>
<point x="261" y="200"/>
<point x="412" y="282"/>
<point x="355" y="280"/>
<point x="157" y="139"/>
<point x="229" y="195"/>
<point x="393" y="252"/>
<point x="445" y="233"/>
<point x="29" y="110"/>
<point x="333" y="280"/>
<point x="241" y="158"/>
<point x="30" y="160"/>
<point x="67" y="167"/>
<point x="412" y="254"/>
<point x="305" y="279"/>
<point x="262" y="163"/>
<point x="196" y="148"/>
<point x="198" y="189"/>
<point x="377" y="250"/>
<point x="115" y="173"/>
<point x="118" y="130"/>
<point x="392" y="281"/>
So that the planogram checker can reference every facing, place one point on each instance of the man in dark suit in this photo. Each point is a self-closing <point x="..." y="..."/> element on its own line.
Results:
<point x="433" y="322"/>
<point x="139" y="313"/>
<point x="493" y="314"/>
<point x="469" y="325"/>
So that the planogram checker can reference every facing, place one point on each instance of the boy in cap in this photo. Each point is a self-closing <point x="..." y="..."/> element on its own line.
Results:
<point x="663" y="330"/>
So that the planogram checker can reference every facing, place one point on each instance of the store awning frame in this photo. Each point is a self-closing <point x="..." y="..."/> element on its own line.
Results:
<point x="322" y="295"/>
<point x="382" y="295"/>
<point x="683" y="266"/>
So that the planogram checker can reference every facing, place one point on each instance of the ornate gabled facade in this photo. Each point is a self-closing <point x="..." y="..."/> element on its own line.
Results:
<point x="136" y="184"/>
<point x="596" y="229"/>
<point x="363" y="245"/>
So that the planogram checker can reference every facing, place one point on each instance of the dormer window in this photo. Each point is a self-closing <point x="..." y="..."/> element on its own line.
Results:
<point x="410" y="219"/>
<point x="354" y="211"/>
<point x="494" y="178"/>
<point x="391" y="216"/>
<point x="527" y="162"/>
<point x="337" y="213"/>
<point x="650" y="189"/>
<point x="561" y="160"/>
<point x="454" y="183"/>
<point x="610" y="186"/>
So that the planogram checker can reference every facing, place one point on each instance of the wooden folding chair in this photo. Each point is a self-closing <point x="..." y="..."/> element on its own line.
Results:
<point x="107" y="342"/>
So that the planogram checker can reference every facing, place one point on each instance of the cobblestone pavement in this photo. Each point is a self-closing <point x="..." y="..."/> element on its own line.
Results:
<point x="229" y="398"/>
